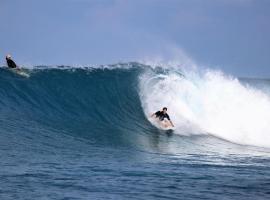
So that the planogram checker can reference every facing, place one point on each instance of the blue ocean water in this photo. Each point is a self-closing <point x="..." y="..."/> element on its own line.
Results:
<point x="84" y="133"/>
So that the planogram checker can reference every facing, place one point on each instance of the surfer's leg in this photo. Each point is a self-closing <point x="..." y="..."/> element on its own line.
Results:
<point x="166" y="123"/>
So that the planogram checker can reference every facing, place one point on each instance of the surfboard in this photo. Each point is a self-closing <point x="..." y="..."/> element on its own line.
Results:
<point x="20" y="72"/>
<point x="161" y="124"/>
<point x="165" y="125"/>
<point x="169" y="128"/>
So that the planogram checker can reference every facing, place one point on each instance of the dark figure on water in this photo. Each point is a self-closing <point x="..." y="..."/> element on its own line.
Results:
<point x="163" y="117"/>
<point x="10" y="62"/>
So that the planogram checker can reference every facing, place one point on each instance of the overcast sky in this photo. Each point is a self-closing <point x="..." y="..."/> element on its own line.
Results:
<point x="232" y="35"/>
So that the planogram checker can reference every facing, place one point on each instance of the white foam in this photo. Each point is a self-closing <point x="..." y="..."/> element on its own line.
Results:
<point x="209" y="103"/>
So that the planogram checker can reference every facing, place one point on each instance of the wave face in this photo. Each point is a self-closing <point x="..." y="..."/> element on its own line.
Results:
<point x="87" y="102"/>
<point x="85" y="133"/>
<point x="122" y="97"/>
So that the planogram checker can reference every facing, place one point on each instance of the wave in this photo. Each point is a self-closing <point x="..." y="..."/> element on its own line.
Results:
<point x="114" y="99"/>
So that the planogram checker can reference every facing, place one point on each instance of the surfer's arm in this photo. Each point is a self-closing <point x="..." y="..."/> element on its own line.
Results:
<point x="168" y="117"/>
<point x="153" y="115"/>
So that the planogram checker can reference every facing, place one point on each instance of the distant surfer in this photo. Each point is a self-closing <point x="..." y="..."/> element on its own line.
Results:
<point x="15" y="68"/>
<point x="163" y="117"/>
<point x="10" y="63"/>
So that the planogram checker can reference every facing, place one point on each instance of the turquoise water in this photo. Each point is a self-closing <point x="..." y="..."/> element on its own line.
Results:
<point x="69" y="133"/>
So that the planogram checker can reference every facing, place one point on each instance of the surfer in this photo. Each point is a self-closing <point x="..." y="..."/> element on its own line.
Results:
<point x="163" y="117"/>
<point x="10" y="62"/>
<point x="15" y="68"/>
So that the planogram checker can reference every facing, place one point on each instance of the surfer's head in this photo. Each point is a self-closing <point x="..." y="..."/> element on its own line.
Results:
<point x="164" y="110"/>
<point x="8" y="56"/>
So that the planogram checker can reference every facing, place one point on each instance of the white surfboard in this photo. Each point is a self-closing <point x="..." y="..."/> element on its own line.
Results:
<point x="161" y="124"/>
<point x="169" y="128"/>
<point x="21" y="72"/>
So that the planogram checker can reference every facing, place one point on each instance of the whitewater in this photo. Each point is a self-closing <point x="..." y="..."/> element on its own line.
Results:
<point x="85" y="133"/>
<point x="210" y="103"/>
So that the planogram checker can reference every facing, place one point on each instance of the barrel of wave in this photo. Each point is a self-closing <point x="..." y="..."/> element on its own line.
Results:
<point x="161" y="90"/>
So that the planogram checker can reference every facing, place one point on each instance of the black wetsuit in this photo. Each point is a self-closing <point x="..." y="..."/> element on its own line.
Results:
<point x="11" y="63"/>
<point x="161" y="115"/>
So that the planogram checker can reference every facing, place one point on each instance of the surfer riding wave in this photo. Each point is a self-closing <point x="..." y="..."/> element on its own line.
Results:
<point x="10" y="63"/>
<point x="163" y="117"/>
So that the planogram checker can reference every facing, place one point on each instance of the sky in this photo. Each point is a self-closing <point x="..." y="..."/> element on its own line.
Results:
<point x="230" y="35"/>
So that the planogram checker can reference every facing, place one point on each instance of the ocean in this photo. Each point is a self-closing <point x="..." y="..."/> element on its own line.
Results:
<point x="86" y="133"/>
